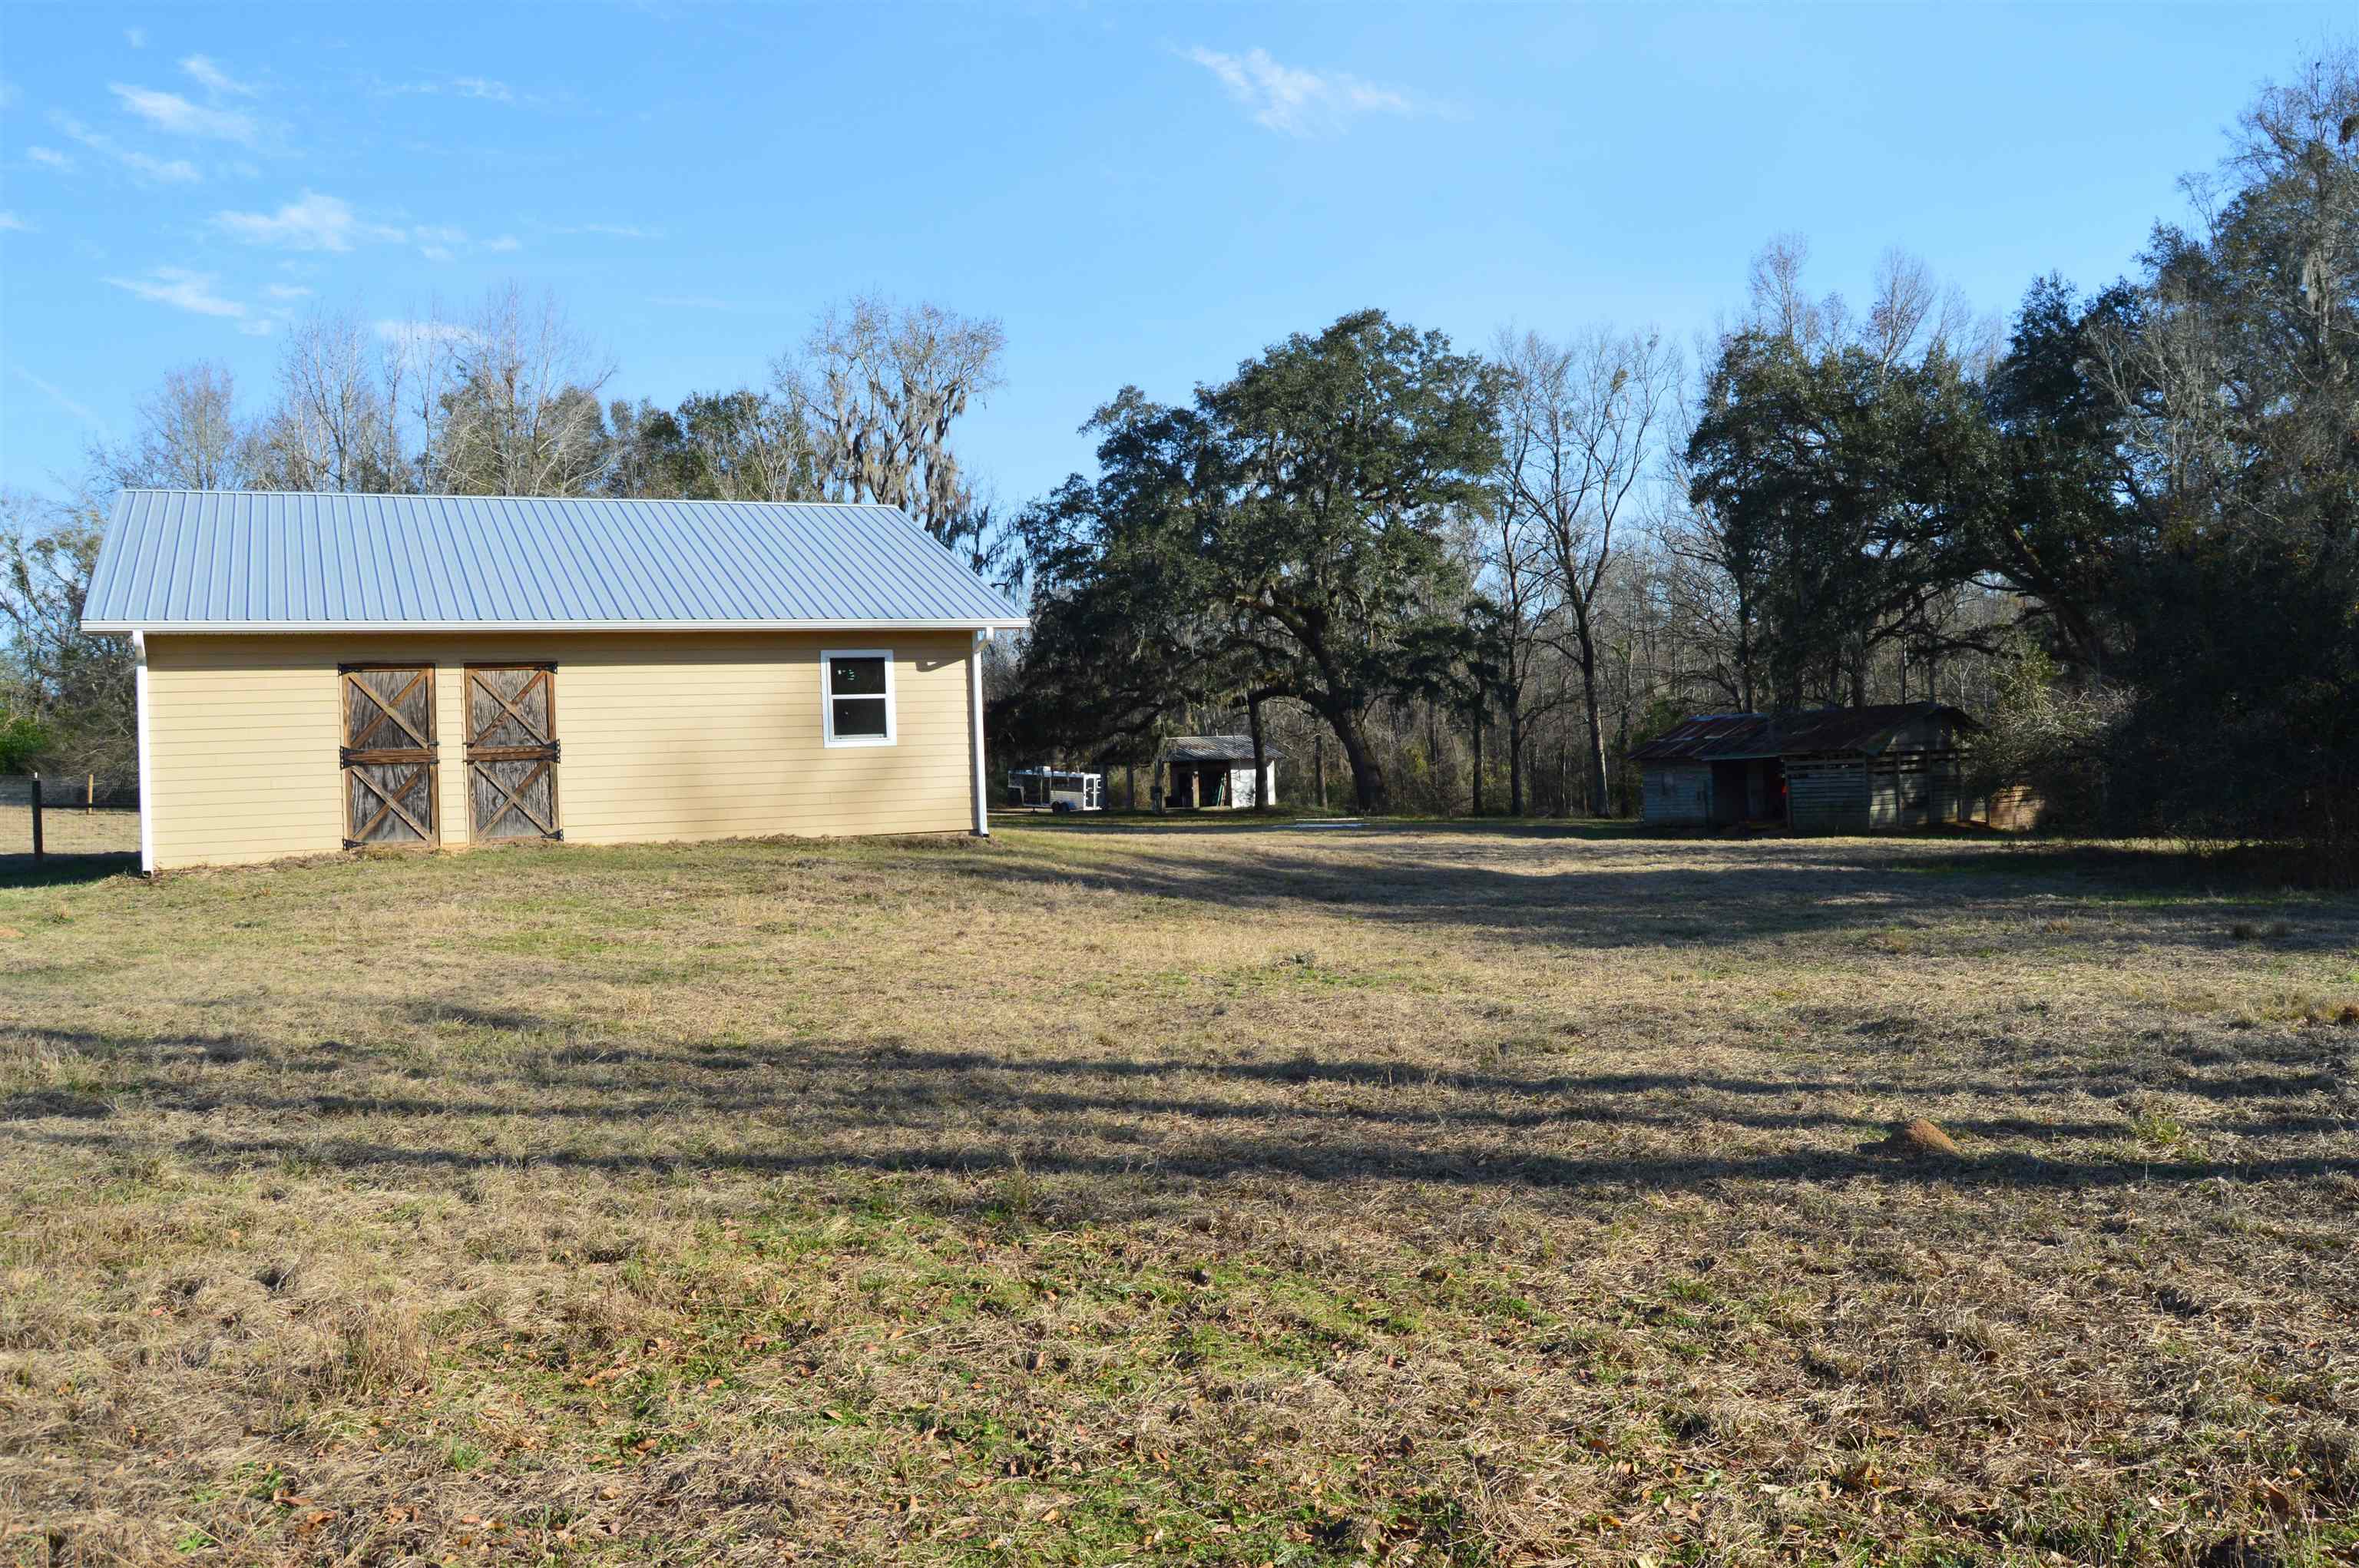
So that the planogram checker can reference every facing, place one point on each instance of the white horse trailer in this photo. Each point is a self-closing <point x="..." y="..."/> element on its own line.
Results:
<point x="1055" y="789"/>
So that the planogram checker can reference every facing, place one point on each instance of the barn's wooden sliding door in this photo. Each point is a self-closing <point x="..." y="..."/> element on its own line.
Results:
<point x="388" y="754"/>
<point x="512" y="751"/>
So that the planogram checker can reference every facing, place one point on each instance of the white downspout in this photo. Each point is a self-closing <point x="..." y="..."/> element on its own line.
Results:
<point x="974" y="734"/>
<point x="147" y="793"/>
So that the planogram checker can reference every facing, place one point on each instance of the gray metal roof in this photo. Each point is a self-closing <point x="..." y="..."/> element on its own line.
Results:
<point x="1215" y="748"/>
<point x="275" y="561"/>
<point x="1729" y="737"/>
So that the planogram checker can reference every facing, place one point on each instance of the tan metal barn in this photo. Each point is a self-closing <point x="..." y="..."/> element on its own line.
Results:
<point x="318" y="672"/>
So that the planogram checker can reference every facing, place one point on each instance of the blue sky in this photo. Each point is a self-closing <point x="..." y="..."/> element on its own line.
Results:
<point x="1140" y="193"/>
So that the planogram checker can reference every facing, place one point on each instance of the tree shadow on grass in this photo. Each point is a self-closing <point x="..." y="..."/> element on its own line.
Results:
<point x="883" y="1106"/>
<point x="1214" y="1158"/>
<point x="1619" y="893"/>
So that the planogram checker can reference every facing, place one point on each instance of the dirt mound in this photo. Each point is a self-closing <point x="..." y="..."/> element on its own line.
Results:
<point x="1918" y="1139"/>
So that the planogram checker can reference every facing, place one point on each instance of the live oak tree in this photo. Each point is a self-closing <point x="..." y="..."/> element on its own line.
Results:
<point x="2055" y="529"/>
<point x="1840" y="468"/>
<point x="2236" y="378"/>
<point x="1282" y="535"/>
<point x="1124" y="630"/>
<point x="1334" y="461"/>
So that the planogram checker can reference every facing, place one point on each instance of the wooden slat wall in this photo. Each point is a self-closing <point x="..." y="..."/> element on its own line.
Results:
<point x="1903" y="790"/>
<point x="1828" y="796"/>
<point x="666" y="736"/>
<point x="1676" y="796"/>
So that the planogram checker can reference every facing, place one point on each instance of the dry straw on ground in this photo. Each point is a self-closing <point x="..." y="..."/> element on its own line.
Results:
<point x="1109" y="1194"/>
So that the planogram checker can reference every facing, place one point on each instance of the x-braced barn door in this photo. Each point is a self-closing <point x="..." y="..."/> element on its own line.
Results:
<point x="512" y="750"/>
<point x="388" y="753"/>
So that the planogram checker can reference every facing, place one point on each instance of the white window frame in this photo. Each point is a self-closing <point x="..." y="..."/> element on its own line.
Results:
<point x="826" y="698"/>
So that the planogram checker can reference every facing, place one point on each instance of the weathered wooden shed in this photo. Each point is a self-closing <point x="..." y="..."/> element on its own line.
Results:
<point x="1819" y="770"/>
<point x="323" y="671"/>
<point x="1212" y="773"/>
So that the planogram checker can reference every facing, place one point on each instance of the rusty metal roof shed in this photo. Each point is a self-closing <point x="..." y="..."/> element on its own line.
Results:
<point x="1732" y="737"/>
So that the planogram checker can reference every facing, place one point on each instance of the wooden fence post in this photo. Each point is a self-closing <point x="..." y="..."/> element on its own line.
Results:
<point x="89" y="793"/>
<point x="36" y="818"/>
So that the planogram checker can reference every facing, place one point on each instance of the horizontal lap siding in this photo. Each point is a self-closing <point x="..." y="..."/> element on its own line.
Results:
<point x="1827" y="797"/>
<point x="1678" y="797"/>
<point x="664" y="737"/>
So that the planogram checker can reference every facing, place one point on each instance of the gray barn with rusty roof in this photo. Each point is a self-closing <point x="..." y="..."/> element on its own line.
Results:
<point x="1893" y="765"/>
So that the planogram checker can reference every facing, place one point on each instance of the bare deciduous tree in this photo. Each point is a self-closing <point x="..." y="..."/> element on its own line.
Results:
<point x="1582" y="421"/>
<point x="1512" y="567"/>
<point x="189" y="437"/>
<point x="880" y="387"/>
<point x="523" y="415"/>
<point x="335" y="426"/>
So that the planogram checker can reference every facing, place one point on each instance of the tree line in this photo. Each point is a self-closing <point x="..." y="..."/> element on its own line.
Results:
<point x="2124" y="528"/>
<point x="2121" y="528"/>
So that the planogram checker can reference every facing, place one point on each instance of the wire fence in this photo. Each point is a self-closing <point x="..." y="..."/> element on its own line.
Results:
<point x="47" y="814"/>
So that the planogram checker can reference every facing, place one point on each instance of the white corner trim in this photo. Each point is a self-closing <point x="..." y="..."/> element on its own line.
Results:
<point x="147" y="790"/>
<point x="974" y="734"/>
<point x="827" y="658"/>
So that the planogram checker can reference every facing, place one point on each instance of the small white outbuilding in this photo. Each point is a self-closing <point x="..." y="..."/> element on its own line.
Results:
<point x="1212" y="773"/>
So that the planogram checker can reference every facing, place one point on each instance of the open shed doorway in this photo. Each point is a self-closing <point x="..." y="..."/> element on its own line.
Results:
<point x="1200" y="786"/>
<point x="1748" y="789"/>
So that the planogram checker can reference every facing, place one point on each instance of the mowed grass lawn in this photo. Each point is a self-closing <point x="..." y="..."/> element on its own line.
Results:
<point x="1211" y="1192"/>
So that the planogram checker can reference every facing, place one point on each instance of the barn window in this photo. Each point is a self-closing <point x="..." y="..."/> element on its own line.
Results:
<point x="858" y="696"/>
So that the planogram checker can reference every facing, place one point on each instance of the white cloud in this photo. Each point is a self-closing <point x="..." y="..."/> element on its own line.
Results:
<point x="11" y="223"/>
<point x="171" y="112"/>
<point x="505" y="243"/>
<point x="135" y="37"/>
<point x="287" y="291"/>
<point x="313" y="223"/>
<point x="49" y="158"/>
<point x="183" y="291"/>
<point x="482" y="88"/>
<point x="318" y="222"/>
<point x="60" y="396"/>
<point x="212" y="78"/>
<point x="1298" y="103"/>
<point x="177" y="170"/>
<point x="171" y="171"/>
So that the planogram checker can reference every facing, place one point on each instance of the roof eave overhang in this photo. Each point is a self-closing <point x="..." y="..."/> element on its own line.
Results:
<point x="297" y="628"/>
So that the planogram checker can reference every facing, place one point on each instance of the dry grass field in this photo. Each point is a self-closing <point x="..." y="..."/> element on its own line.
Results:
<point x="1124" y="1193"/>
